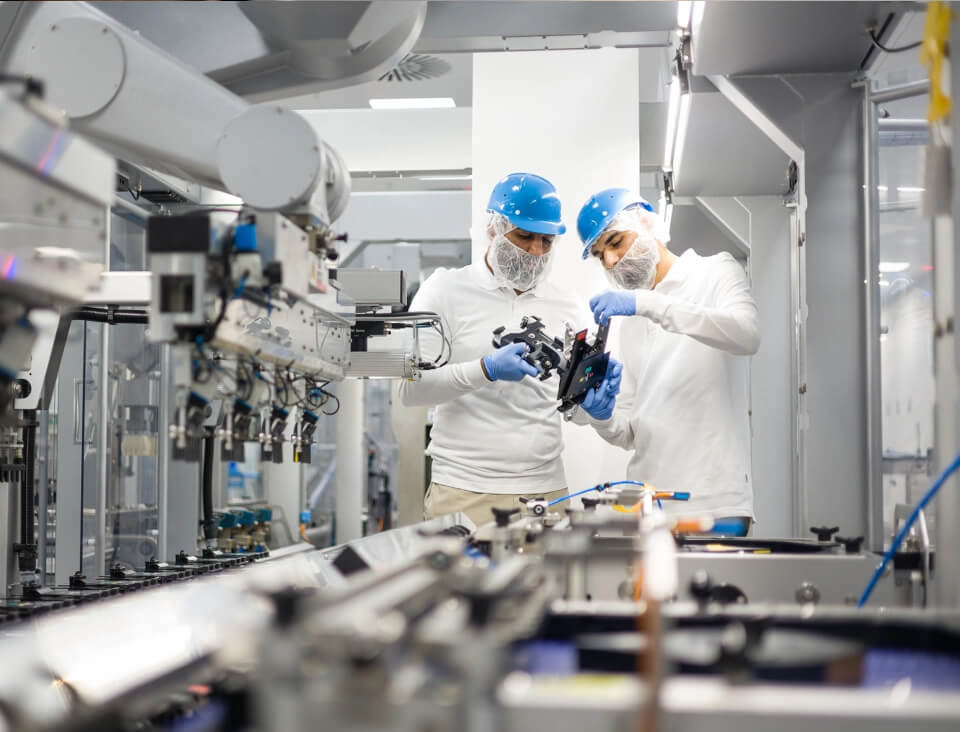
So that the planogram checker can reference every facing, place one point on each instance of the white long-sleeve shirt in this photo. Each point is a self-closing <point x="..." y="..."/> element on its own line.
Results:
<point x="684" y="406"/>
<point x="489" y="437"/>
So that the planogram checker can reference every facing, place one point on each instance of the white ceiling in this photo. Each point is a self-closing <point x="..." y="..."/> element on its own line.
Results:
<point x="766" y="37"/>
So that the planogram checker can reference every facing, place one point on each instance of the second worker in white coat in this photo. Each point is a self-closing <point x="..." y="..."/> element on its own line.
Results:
<point x="691" y="325"/>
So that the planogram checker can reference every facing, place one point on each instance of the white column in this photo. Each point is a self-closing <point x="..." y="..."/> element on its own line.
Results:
<point x="282" y="487"/>
<point x="350" y="478"/>
<point x="573" y="117"/>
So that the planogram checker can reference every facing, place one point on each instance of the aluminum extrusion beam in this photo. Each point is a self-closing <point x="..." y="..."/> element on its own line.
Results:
<point x="901" y="91"/>
<point x="871" y="309"/>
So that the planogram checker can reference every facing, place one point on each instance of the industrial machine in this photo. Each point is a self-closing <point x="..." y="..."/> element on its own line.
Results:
<point x="239" y="292"/>
<point x="231" y="342"/>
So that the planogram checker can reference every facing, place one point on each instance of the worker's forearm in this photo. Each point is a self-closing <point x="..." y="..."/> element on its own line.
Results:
<point x="437" y="386"/>
<point x="617" y="430"/>
<point x="733" y="328"/>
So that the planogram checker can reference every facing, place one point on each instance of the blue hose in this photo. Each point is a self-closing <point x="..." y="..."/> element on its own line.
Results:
<point x="901" y="536"/>
<point x="600" y="487"/>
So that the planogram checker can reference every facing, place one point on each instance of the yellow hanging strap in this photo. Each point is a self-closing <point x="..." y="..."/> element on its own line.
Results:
<point x="936" y="33"/>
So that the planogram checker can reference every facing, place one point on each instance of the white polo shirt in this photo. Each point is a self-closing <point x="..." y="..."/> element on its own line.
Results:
<point x="684" y="404"/>
<point x="489" y="437"/>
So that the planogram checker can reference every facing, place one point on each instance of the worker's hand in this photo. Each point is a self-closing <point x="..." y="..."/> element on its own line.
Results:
<point x="599" y="402"/>
<point x="612" y="302"/>
<point x="508" y="364"/>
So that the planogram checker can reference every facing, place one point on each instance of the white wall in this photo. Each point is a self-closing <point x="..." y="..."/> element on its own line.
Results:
<point x="771" y="369"/>
<point x="407" y="216"/>
<point x="396" y="139"/>
<point x="571" y="116"/>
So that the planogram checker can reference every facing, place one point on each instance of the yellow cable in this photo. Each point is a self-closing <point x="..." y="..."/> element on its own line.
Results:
<point x="622" y="509"/>
<point x="936" y="33"/>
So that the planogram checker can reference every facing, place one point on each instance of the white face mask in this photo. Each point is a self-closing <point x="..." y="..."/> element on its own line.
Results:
<point x="636" y="269"/>
<point x="513" y="267"/>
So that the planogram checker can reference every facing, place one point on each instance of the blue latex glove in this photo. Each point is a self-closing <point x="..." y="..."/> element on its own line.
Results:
<point x="507" y="364"/>
<point x="612" y="302"/>
<point x="599" y="402"/>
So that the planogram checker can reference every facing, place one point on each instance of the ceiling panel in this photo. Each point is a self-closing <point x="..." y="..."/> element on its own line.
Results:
<point x="726" y="155"/>
<point x="520" y="18"/>
<point x="786" y="37"/>
<point x="205" y="36"/>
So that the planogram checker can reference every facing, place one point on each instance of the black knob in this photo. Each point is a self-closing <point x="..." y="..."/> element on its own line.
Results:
<point x="589" y="504"/>
<point x="734" y="644"/>
<point x="77" y="580"/>
<point x="332" y="254"/>
<point x="700" y="587"/>
<point x="726" y="594"/>
<point x="503" y="515"/>
<point x="824" y="533"/>
<point x="852" y="543"/>
<point x="181" y="558"/>
<point x="272" y="273"/>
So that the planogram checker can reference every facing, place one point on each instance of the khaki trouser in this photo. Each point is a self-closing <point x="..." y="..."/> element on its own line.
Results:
<point x="441" y="500"/>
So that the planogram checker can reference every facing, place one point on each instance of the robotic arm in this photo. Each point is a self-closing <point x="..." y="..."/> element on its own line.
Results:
<point x="141" y="104"/>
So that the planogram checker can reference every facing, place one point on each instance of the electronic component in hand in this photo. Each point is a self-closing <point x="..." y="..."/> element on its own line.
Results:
<point x="585" y="369"/>
<point x="544" y="352"/>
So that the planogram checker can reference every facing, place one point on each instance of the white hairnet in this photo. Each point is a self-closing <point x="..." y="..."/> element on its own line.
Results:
<point x="512" y="266"/>
<point x="645" y="223"/>
<point x="637" y="267"/>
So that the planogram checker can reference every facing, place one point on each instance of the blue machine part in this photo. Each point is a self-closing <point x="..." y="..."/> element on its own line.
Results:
<point x="245" y="238"/>
<point x="925" y="670"/>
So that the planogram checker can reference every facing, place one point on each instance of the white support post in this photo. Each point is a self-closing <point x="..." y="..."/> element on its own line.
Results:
<point x="800" y="414"/>
<point x="350" y="482"/>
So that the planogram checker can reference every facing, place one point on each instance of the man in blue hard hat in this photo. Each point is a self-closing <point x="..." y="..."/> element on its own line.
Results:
<point x="690" y="325"/>
<point x="496" y="434"/>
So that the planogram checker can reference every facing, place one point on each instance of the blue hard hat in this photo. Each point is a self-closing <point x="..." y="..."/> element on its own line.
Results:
<point x="597" y="213"/>
<point x="529" y="202"/>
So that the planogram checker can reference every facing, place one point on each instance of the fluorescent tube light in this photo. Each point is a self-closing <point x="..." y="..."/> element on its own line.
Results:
<point x="682" y="124"/>
<point x="891" y="267"/>
<point x="413" y="103"/>
<point x="670" y="123"/>
<point x="684" y="14"/>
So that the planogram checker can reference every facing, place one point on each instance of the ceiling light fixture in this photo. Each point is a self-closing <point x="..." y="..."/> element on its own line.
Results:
<point x="892" y="267"/>
<point x="413" y="103"/>
<point x="670" y="122"/>
<point x="910" y="189"/>
<point x="684" y="14"/>
<point x="682" y="125"/>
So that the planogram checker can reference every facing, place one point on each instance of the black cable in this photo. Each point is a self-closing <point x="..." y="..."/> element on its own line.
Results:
<point x="30" y="84"/>
<point x="110" y="316"/>
<point x="27" y="488"/>
<point x="207" y="488"/>
<point x="337" y="404"/>
<point x="881" y="47"/>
